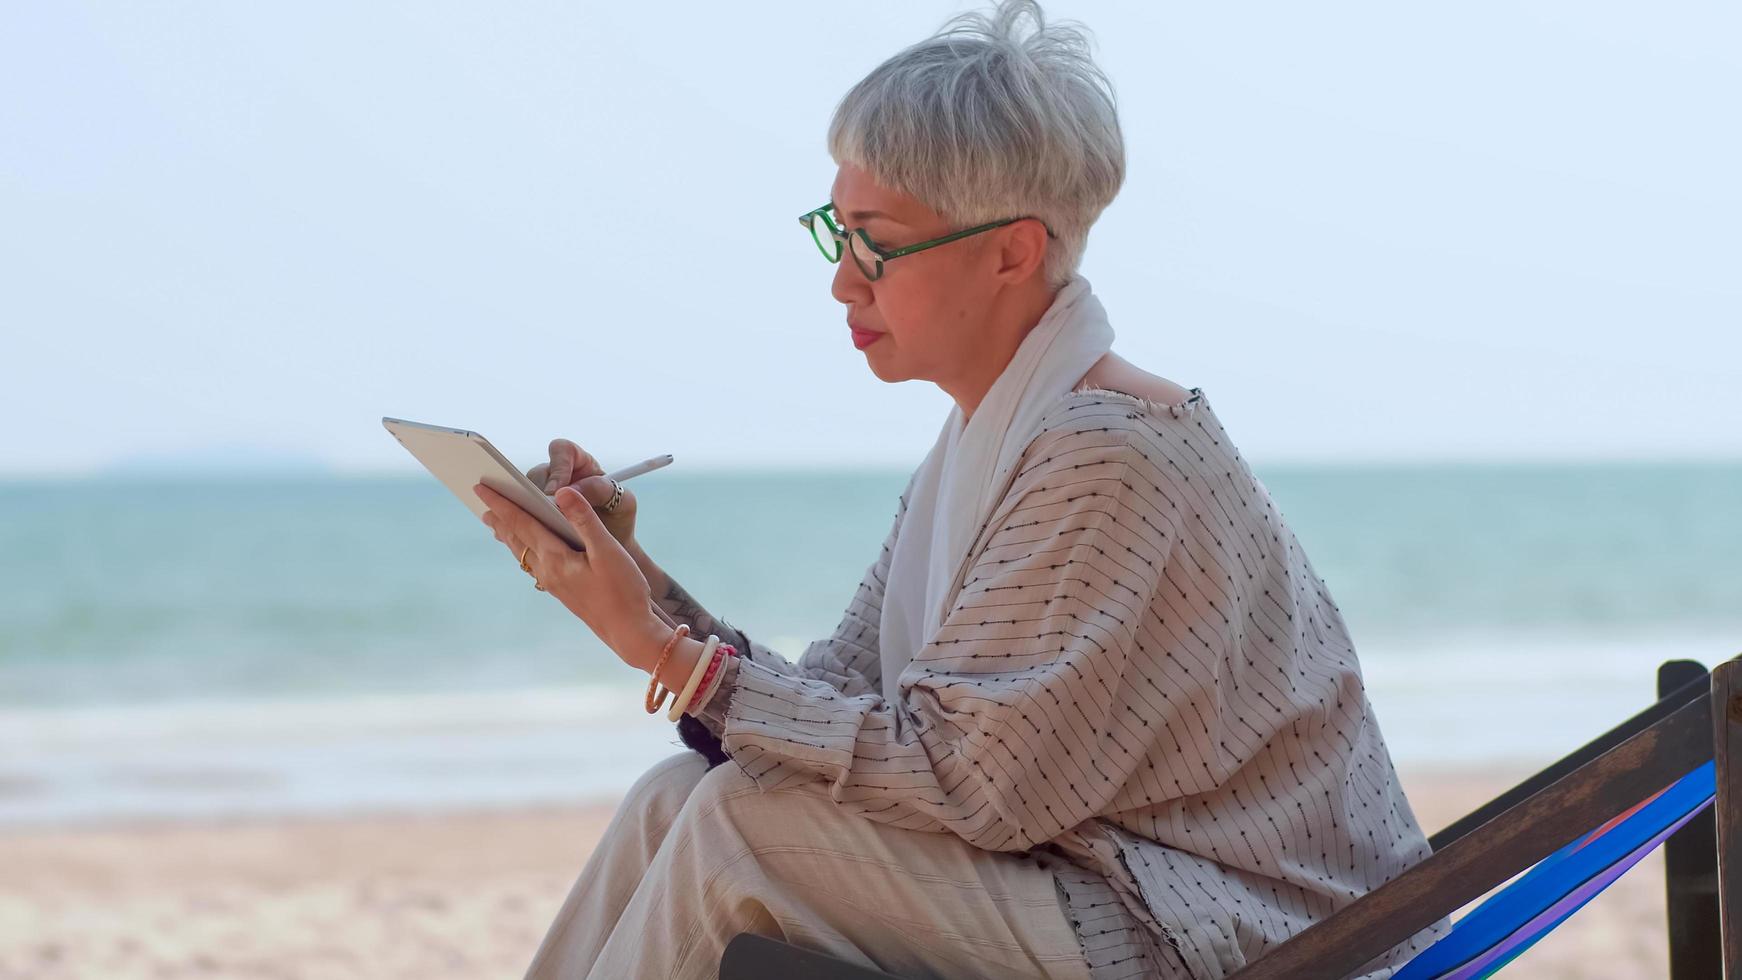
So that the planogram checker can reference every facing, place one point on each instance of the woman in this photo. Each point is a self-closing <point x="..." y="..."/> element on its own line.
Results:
<point x="1091" y="713"/>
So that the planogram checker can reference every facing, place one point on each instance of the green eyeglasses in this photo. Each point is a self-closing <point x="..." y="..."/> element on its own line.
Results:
<point x="869" y="255"/>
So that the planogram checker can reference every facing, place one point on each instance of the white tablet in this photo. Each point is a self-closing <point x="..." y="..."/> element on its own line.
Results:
<point x="463" y="459"/>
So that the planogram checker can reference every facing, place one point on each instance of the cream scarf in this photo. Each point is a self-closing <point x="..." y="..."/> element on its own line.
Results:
<point x="959" y="483"/>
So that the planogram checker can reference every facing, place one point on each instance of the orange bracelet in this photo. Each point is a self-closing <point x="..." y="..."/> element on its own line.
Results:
<point x="657" y="693"/>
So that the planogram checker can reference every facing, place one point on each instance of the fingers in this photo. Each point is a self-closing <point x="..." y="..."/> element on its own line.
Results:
<point x="581" y="514"/>
<point x="515" y="526"/>
<point x="562" y="463"/>
<point x="500" y="528"/>
<point x="597" y="490"/>
<point x="538" y="475"/>
<point x="568" y="463"/>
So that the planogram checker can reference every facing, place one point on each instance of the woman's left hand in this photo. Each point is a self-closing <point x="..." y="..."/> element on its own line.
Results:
<point x="602" y="585"/>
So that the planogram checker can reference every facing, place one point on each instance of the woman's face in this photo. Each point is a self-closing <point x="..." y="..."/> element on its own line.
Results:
<point x="928" y="310"/>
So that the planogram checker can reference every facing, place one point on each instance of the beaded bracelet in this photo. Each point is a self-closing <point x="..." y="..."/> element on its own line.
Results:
<point x="712" y="679"/>
<point x="695" y="678"/>
<point x="653" y="702"/>
<point x="714" y="663"/>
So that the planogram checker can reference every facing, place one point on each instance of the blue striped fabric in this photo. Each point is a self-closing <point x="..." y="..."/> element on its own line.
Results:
<point x="1514" y="918"/>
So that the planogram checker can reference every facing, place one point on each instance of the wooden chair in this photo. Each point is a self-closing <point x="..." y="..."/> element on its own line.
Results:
<point x="1697" y="718"/>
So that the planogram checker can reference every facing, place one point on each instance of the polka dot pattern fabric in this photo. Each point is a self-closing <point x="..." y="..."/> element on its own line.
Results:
<point x="1142" y="675"/>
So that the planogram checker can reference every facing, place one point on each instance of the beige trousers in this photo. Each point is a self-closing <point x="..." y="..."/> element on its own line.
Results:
<point x="694" y="857"/>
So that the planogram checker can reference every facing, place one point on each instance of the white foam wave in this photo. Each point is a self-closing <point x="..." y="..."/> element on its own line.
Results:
<point x="1466" y="700"/>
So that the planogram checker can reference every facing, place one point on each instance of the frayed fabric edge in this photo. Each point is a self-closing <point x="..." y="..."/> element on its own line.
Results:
<point x="1180" y="410"/>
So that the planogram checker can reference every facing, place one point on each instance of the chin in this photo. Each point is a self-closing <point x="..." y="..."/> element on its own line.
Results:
<point x="882" y="368"/>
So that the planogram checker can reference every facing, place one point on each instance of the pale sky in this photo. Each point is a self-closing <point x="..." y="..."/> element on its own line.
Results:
<point x="1368" y="231"/>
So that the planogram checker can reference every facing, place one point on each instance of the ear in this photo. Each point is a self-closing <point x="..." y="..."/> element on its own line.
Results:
<point x="1022" y="252"/>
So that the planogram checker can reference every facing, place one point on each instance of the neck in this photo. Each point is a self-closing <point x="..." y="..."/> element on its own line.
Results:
<point x="1012" y="315"/>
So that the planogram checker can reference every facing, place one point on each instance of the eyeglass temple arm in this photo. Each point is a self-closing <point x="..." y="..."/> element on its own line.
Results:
<point x="922" y="246"/>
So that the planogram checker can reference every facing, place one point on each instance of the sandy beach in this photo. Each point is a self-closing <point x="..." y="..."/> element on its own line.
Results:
<point x="470" y="894"/>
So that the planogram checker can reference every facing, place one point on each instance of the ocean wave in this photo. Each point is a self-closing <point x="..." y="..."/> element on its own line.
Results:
<point x="1454" y="701"/>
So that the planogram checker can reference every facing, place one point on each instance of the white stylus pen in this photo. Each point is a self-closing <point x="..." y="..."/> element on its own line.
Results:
<point x="645" y="466"/>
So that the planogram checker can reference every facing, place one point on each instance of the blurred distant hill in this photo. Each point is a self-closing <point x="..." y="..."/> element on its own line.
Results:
<point x="221" y="459"/>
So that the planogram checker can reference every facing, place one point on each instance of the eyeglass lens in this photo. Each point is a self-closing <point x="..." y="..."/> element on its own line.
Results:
<point x="825" y="238"/>
<point x="824" y="234"/>
<point x="869" y="262"/>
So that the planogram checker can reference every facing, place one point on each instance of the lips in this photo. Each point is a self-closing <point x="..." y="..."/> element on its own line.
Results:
<point x="865" y="338"/>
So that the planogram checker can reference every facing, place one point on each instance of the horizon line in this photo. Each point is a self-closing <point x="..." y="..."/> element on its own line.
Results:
<point x="316" y="469"/>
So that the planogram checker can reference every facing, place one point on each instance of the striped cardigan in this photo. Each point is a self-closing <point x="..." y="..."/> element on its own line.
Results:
<point x="1142" y="674"/>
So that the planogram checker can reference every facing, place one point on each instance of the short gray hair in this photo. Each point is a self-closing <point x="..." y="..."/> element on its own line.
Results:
<point x="981" y="123"/>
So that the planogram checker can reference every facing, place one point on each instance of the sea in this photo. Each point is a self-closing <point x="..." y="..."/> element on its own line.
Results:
<point x="273" y="644"/>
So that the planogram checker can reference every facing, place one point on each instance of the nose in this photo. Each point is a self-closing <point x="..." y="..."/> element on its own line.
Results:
<point x="849" y="284"/>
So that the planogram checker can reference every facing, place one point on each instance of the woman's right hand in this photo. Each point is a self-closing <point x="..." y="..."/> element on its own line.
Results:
<point x="572" y="466"/>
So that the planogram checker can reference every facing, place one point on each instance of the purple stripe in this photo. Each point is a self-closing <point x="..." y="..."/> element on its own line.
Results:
<point x="1530" y="931"/>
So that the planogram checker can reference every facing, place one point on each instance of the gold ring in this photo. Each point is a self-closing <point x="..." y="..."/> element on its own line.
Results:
<point x="523" y="565"/>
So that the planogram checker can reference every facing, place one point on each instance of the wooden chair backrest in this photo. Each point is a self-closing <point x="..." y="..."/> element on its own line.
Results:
<point x="1509" y="834"/>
